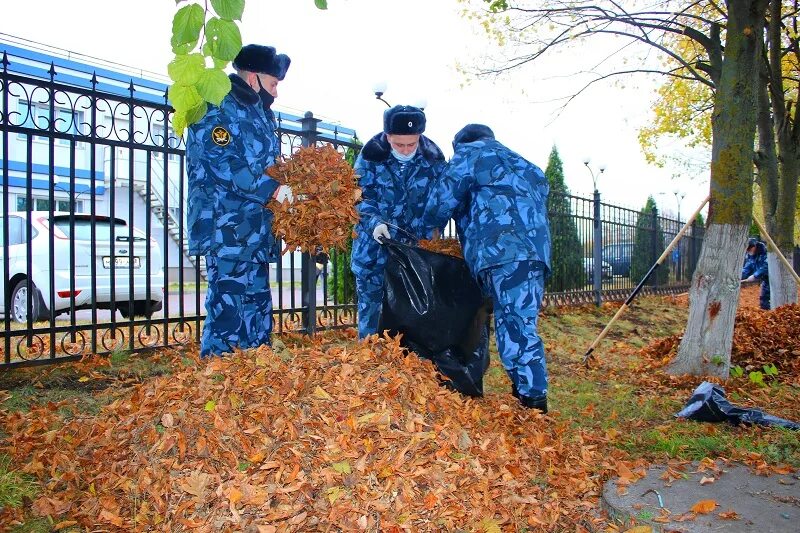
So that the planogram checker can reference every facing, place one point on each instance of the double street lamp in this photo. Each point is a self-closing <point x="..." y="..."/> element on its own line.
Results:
<point x="601" y="169"/>
<point x="679" y="196"/>
<point x="597" y="240"/>
<point x="379" y="89"/>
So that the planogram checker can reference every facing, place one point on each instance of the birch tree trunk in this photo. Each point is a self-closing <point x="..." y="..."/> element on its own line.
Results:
<point x="714" y="295"/>
<point x="713" y="299"/>
<point x="782" y="286"/>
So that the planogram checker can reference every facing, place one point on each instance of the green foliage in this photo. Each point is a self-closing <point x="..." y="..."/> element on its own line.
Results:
<point x="343" y="291"/>
<point x="757" y="378"/>
<point x="496" y="6"/>
<point x="700" y="221"/>
<point x="771" y="370"/>
<point x="204" y="40"/>
<point x="648" y="246"/>
<point x="14" y="486"/>
<point x="567" y="253"/>
<point x="737" y="371"/>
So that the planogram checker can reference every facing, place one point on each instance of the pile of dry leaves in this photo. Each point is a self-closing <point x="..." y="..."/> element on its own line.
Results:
<point x="329" y="435"/>
<point x="759" y="338"/>
<point x="325" y="197"/>
<point x="446" y="246"/>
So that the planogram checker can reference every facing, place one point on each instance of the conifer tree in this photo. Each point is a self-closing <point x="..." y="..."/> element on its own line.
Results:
<point x="567" y="256"/>
<point x="648" y="246"/>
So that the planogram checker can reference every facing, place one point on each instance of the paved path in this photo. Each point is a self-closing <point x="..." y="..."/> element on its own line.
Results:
<point x="763" y="504"/>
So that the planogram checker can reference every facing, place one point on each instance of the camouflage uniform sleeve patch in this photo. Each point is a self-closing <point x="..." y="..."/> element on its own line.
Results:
<point x="220" y="136"/>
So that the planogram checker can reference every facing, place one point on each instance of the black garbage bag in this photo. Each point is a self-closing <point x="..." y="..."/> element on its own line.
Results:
<point x="433" y="300"/>
<point x="708" y="404"/>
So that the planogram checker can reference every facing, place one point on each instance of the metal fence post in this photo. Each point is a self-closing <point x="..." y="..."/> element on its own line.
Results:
<point x="597" y="249"/>
<point x="308" y="271"/>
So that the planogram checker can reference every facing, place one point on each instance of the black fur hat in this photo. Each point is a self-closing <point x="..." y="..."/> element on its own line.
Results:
<point x="403" y="120"/>
<point x="472" y="132"/>
<point x="262" y="60"/>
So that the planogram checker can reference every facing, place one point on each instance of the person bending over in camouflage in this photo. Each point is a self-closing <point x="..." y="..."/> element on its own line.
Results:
<point x="755" y="269"/>
<point x="227" y="153"/>
<point x="498" y="200"/>
<point x="396" y="170"/>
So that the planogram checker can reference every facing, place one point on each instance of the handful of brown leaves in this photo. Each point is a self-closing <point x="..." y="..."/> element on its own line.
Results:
<point x="326" y="193"/>
<point x="446" y="246"/>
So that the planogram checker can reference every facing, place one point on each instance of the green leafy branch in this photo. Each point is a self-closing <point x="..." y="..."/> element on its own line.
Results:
<point x="204" y="40"/>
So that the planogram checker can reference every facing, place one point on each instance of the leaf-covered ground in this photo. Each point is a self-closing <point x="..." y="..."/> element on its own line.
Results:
<point x="336" y="435"/>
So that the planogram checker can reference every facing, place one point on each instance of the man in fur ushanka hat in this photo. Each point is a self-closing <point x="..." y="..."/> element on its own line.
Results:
<point x="396" y="170"/>
<point x="227" y="153"/>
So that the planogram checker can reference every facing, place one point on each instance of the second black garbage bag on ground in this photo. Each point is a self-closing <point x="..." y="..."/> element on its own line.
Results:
<point x="433" y="300"/>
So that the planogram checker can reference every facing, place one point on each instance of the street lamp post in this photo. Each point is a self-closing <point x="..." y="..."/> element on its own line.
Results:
<point x="597" y="247"/>
<point x="679" y="196"/>
<point x="380" y="88"/>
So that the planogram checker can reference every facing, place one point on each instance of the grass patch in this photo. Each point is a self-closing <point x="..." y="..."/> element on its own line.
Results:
<point x="15" y="487"/>
<point x="81" y="390"/>
<point x="37" y="525"/>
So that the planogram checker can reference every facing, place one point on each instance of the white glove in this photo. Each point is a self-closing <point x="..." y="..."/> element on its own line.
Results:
<point x="751" y="278"/>
<point x="284" y="193"/>
<point x="380" y="232"/>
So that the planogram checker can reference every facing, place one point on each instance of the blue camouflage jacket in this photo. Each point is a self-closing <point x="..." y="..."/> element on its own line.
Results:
<point x="499" y="202"/>
<point x="392" y="194"/>
<point x="756" y="264"/>
<point x="227" y="153"/>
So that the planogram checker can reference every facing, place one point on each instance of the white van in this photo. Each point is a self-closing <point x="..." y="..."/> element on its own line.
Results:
<point x="126" y="258"/>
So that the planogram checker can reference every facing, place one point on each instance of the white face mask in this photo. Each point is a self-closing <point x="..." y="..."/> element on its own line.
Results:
<point x="403" y="158"/>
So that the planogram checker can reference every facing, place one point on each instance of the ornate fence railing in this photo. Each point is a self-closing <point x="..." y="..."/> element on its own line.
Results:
<point x="93" y="196"/>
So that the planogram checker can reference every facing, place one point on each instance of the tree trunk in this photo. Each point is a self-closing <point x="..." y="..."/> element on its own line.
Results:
<point x="780" y="192"/>
<point x="782" y="286"/>
<point x="713" y="299"/>
<point x="714" y="295"/>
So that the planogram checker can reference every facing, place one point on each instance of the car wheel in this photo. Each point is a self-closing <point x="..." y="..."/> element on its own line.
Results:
<point x="125" y="309"/>
<point x="139" y="309"/>
<point x="18" y="304"/>
<point x="145" y="309"/>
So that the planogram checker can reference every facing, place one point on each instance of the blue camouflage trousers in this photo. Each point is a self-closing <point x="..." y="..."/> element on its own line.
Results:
<point x="763" y="296"/>
<point x="238" y="306"/>
<point x="369" y="289"/>
<point x="516" y="290"/>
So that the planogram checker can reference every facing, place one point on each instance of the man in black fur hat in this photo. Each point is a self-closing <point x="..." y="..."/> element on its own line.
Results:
<point x="396" y="170"/>
<point x="227" y="153"/>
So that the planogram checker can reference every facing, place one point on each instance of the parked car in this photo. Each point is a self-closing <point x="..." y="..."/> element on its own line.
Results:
<point x="606" y="271"/>
<point x="618" y="255"/>
<point x="120" y="258"/>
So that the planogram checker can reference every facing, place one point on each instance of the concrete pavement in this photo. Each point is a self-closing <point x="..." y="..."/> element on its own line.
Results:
<point x="745" y="502"/>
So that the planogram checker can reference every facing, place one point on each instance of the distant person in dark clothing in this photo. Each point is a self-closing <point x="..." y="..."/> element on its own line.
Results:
<point x="755" y="269"/>
<point x="321" y="261"/>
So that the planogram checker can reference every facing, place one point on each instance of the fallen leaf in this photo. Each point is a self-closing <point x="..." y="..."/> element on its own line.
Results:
<point x="342" y="468"/>
<point x="167" y="420"/>
<point x="704" y="506"/>
<point x="707" y="480"/>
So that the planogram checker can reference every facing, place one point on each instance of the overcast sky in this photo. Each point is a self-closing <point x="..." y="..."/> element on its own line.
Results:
<point x="414" y="46"/>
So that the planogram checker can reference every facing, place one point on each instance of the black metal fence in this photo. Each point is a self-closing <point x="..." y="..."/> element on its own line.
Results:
<point x="93" y="234"/>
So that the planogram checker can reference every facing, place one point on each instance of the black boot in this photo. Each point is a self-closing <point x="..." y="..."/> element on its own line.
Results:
<point x="534" y="403"/>
<point x="514" y="391"/>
